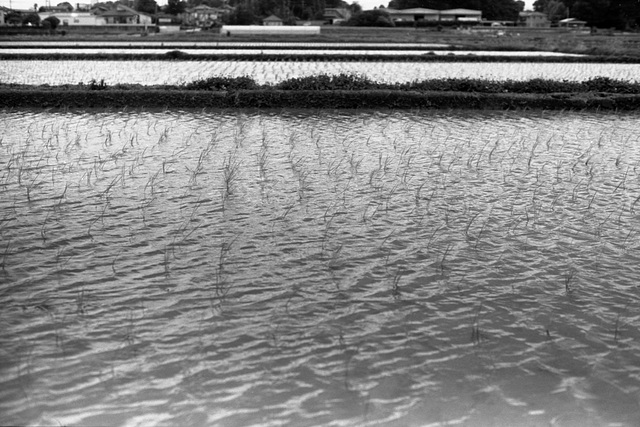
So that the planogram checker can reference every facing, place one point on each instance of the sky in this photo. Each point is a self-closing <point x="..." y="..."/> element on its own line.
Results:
<point x="28" y="4"/>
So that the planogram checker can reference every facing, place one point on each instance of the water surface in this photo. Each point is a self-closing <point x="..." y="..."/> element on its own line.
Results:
<point x="319" y="268"/>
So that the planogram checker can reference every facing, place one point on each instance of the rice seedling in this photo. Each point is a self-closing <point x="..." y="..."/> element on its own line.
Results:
<point x="482" y="228"/>
<point x="80" y="302"/>
<point x="230" y="171"/>
<point x="569" y="279"/>
<point x="349" y="355"/>
<point x="4" y="256"/>
<point x="262" y="157"/>
<point x="372" y="214"/>
<point x="477" y="336"/>
<point x="113" y="263"/>
<point x="166" y="262"/>
<point x="617" y="324"/>
<point x="395" y="286"/>
<point x="334" y="260"/>
<point x="42" y="231"/>
<point x="444" y="257"/>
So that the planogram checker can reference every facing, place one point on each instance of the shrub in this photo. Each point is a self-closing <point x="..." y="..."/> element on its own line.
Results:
<point x="95" y="85"/>
<point x="605" y="84"/>
<point x="371" y="18"/>
<point x="222" y="83"/>
<point x="176" y="54"/>
<point x="51" y="22"/>
<point x="32" y="19"/>
<point x="328" y="82"/>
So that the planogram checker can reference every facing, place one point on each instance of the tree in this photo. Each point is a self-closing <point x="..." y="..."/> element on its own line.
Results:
<point x="31" y="20"/>
<point x="210" y="3"/>
<point x="371" y="18"/>
<point x="175" y="7"/>
<point x="498" y="10"/>
<point x="555" y="11"/>
<point x="620" y="14"/>
<point x="630" y="11"/>
<point x="68" y="6"/>
<point x="50" y="22"/>
<point x="241" y="16"/>
<point x="149" y="7"/>
<point x="355" y="8"/>
<point x="597" y="13"/>
<point x="13" y="18"/>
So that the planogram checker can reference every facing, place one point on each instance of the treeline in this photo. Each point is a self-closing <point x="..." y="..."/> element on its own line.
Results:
<point x="291" y="10"/>
<point x="619" y="14"/>
<point x="252" y="11"/>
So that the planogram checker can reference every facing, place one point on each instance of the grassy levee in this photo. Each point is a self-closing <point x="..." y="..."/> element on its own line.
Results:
<point x="334" y="91"/>
<point x="178" y="55"/>
<point x="61" y="98"/>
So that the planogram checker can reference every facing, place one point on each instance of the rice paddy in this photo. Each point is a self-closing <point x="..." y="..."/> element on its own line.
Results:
<point x="319" y="268"/>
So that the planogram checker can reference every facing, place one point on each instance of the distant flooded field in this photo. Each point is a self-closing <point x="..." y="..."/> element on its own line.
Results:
<point x="251" y="52"/>
<point x="215" y="44"/>
<point x="35" y="72"/>
<point x="242" y="268"/>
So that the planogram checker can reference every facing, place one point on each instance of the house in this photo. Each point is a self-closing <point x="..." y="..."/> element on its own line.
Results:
<point x="272" y="21"/>
<point x="61" y="8"/>
<point x="121" y="14"/>
<point x="167" y="19"/>
<point x="83" y="7"/>
<point x="461" y="15"/>
<point x="413" y="15"/>
<point x="533" y="20"/>
<point x="336" y="15"/>
<point x="572" y="23"/>
<point x="74" y="18"/>
<point x="3" y="12"/>
<point x="432" y="15"/>
<point x="203" y="15"/>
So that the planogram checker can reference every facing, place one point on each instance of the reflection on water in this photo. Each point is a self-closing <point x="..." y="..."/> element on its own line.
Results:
<point x="268" y="268"/>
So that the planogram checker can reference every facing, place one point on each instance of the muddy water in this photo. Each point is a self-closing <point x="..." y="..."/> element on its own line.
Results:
<point x="319" y="268"/>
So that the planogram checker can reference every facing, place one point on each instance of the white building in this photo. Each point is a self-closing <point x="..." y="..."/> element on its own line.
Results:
<point x="413" y="15"/>
<point x="75" y="18"/>
<point x="269" y="29"/>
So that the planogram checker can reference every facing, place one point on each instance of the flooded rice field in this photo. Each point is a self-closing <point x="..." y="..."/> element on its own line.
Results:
<point x="319" y="268"/>
<point x="217" y="45"/>
<point x="150" y="72"/>
<point x="259" y="51"/>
